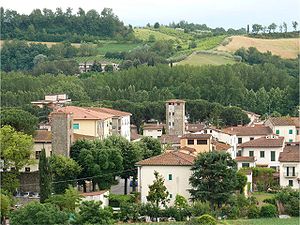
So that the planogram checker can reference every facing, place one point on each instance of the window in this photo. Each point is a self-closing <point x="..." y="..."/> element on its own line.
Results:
<point x="50" y="153"/>
<point x="262" y="154"/>
<point x="240" y="140"/>
<point x="251" y="138"/>
<point x="277" y="131"/>
<point x="76" y="126"/>
<point x="171" y="196"/>
<point x="290" y="140"/>
<point x="239" y="153"/>
<point x="297" y="131"/>
<point x="290" y="131"/>
<point x="201" y="142"/>
<point x="291" y="183"/>
<point x="210" y="131"/>
<point x="173" y="113"/>
<point x="273" y="167"/>
<point x="245" y="164"/>
<point x="173" y="124"/>
<point x="170" y="177"/>
<point x="272" y="155"/>
<point x="190" y="141"/>
<point x="37" y="154"/>
<point x="290" y="171"/>
<point x="27" y="169"/>
<point x="170" y="124"/>
<point x="169" y="113"/>
<point x="251" y="153"/>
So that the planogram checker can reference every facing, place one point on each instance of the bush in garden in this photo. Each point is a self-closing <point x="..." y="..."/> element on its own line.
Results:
<point x="290" y="199"/>
<point x="151" y="210"/>
<point x="292" y="208"/>
<point x="116" y="200"/>
<point x="253" y="212"/>
<point x="203" y="220"/>
<point x="179" y="214"/>
<point x="231" y="212"/>
<point x="129" y="211"/>
<point x="268" y="211"/>
<point x="200" y="208"/>
<point x="271" y="201"/>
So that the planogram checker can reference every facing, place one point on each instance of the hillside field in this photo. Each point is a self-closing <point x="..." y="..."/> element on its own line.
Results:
<point x="143" y="34"/>
<point x="198" y="59"/>
<point x="285" y="47"/>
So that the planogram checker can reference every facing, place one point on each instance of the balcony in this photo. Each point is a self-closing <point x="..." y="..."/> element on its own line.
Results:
<point x="290" y="174"/>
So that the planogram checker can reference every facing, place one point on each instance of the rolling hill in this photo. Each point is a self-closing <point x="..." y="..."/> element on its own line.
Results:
<point x="198" y="59"/>
<point x="285" y="47"/>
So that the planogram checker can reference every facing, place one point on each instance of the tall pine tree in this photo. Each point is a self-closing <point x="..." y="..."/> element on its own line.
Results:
<point x="45" y="177"/>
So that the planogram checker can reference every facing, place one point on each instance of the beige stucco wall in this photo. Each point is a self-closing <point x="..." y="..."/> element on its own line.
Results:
<point x="284" y="180"/>
<point x="86" y="127"/>
<point x="178" y="185"/>
<point x="199" y="148"/>
<point x="152" y="133"/>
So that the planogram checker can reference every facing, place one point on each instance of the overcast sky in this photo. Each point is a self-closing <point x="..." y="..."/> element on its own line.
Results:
<point x="214" y="13"/>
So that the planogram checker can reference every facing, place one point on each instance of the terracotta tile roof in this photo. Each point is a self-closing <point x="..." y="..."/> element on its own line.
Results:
<point x="249" y="131"/>
<point x="173" y="158"/>
<point x="84" y="113"/>
<point x="296" y="121"/>
<point x="291" y="153"/>
<point x="85" y="194"/>
<point x="194" y="127"/>
<point x="113" y="112"/>
<point x="282" y="121"/>
<point x="196" y="136"/>
<point x="83" y="137"/>
<point x="169" y="139"/>
<point x="175" y="100"/>
<point x="42" y="136"/>
<point x="244" y="158"/>
<point x="220" y="146"/>
<point x="264" y="142"/>
<point x="188" y="149"/>
<point x="150" y="126"/>
<point x="134" y="136"/>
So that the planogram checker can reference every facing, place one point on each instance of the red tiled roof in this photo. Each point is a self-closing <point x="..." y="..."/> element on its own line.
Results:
<point x="42" y="136"/>
<point x="169" y="139"/>
<point x="249" y="131"/>
<point x="173" y="158"/>
<point x="196" y="136"/>
<point x="85" y="194"/>
<point x="296" y="121"/>
<point x="220" y="146"/>
<point x="264" y="142"/>
<point x="282" y="121"/>
<point x="291" y="153"/>
<point x="84" y="113"/>
<point x="150" y="126"/>
<point x="113" y="112"/>
<point x="189" y="149"/>
<point x="83" y="137"/>
<point x="244" y="158"/>
<point x="194" y="127"/>
<point x="175" y="100"/>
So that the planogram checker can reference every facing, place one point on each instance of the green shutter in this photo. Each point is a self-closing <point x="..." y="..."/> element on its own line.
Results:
<point x="272" y="156"/>
<point x="291" y="131"/>
<point x="170" y="177"/>
<point x="277" y="131"/>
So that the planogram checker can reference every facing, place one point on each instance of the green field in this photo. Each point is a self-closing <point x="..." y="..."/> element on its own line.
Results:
<point x="143" y="34"/>
<point x="209" y="42"/>
<point x="115" y="47"/>
<point x="198" y="59"/>
<point x="99" y="58"/>
<point x="265" y="221"/>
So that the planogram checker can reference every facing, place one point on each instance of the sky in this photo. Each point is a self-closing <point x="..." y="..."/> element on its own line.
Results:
<point x="214" y="13"/>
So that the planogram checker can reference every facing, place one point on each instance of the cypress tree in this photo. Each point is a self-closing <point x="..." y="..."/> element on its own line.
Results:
<point x="45" y="177"/>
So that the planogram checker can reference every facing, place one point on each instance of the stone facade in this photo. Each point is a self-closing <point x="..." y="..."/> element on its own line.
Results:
<point x="62" y="133"/>
<point x="175" y="117"/>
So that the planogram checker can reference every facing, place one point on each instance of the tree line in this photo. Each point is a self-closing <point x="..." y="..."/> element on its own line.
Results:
<point x="47" y="25"/>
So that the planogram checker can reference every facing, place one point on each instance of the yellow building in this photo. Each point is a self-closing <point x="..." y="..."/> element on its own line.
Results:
<point x="200" y="142"/>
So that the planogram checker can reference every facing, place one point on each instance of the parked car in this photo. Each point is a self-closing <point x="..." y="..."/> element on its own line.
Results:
<point x="25" y="194"/>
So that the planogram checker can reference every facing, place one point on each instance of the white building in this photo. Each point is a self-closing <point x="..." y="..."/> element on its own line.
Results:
<point x="290" y="166"/>
<point x="265" y="150"/>
<point x="153" y="130"/>
<point x="285" y="127"/>
<point x="174" y="166"/>
<point x="53" y="101"/>
<point x="245" y="161"/>
<point x="96" y="196"/>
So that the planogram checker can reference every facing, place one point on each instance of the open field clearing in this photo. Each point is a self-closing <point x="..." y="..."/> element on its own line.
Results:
<point x="198" y="59"/>
<point x="285" y="47"/>
<point x="143" y="34"/>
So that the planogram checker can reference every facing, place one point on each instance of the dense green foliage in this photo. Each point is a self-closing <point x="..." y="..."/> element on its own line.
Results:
<point x="45" y="177"/>
<point x="158" y="193"/>
<point x="203" y="220"/>
<point x="46" y="25"/>
<point x="19" y="119"/>
<point x="37" y="213"/>
<point x="291" y="200"/>
<point x="214" y="178"/>
<point x="268" y="211"/>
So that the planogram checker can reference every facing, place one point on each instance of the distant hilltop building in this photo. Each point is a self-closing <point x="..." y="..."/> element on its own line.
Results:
<point x="53" y="101"/>
<point x="175" y="116"/>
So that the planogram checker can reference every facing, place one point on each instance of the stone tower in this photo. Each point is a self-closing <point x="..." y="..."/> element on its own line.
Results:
<point x="175" y="116"/>
<point x="62" y="133"/>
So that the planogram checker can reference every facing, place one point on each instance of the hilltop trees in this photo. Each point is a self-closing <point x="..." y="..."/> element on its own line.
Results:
<point x="295" y="24"/>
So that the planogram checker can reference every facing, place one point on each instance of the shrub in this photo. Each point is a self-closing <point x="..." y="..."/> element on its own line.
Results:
<point x="179" y="214"/>
<point x="271" y="201"/>
<point x="203" y="220"/>
<point x="231" y="212"/>
<point x="292" y="208"/>
<point x="290" y="199"/>
<point x="200" y="208"/>
<point x="129" y="211"/>
<point x="253" y="212"/>
<point x="116" y="200"/>
<point x="268" y="211"/>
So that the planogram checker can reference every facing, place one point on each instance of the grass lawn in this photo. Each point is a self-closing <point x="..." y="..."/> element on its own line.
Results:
<point x="265" y="221"/>
<point x="260" y="196"/>
<point x="206" y="59"/>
